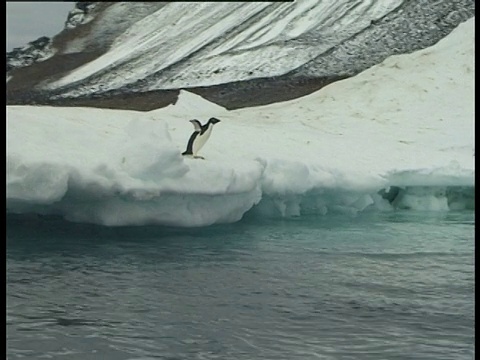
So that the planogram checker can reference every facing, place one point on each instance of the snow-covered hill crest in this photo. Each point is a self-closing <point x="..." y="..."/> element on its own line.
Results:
<point x="35" y="51"/>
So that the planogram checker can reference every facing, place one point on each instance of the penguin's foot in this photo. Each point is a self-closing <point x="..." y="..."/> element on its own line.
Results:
<point x="198" y="157"/>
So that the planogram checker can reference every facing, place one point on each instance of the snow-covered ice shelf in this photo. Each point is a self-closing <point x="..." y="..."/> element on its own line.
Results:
<point x="399" y="135"/>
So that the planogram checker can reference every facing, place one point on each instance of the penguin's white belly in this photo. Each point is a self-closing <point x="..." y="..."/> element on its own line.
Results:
<point x="200" y="140"/>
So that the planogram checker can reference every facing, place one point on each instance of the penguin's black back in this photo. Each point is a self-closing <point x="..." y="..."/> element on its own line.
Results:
<point x="199" y="131"/>
<point x="189" y="150"/>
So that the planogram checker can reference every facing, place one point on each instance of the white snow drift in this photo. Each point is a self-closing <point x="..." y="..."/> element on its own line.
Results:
<point x="399" y="135"/>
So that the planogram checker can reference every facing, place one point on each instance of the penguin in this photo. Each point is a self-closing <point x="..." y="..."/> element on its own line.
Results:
<point x="199" y="137"/>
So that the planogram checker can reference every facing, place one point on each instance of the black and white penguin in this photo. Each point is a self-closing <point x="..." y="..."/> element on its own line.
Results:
<point x="199" y="137"/>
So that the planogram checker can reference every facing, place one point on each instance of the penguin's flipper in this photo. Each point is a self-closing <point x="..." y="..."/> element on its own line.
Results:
<point x="196" y="124"/>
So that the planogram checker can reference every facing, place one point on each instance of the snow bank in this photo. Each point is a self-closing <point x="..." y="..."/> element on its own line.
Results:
<point x="399" y="135"/>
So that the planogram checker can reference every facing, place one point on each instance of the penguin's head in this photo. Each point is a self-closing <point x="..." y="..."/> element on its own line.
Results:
<point x="196" y="124"/>
<point x="213" y="120"/>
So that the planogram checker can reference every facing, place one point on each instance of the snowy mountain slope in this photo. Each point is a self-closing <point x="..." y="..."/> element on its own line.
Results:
<point x="149" y="47"/>
<point x="106" y="21"/>
<point x="237" y="37"/>
<point x="397" y="136"/>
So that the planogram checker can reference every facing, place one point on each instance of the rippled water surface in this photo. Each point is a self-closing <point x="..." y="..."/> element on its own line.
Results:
<point x="394" y="285"/>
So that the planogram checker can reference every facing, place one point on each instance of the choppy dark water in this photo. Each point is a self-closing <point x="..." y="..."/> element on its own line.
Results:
<point x="379" y="286"/>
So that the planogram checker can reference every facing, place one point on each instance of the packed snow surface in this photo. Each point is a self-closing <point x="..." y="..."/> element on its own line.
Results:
<point x="399" y="135"/>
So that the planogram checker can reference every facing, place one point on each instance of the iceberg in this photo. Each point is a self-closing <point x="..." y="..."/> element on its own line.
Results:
<point x="396" y="136"/>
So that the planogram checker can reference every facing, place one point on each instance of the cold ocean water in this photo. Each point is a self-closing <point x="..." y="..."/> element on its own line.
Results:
<point x="394" y="285"/>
